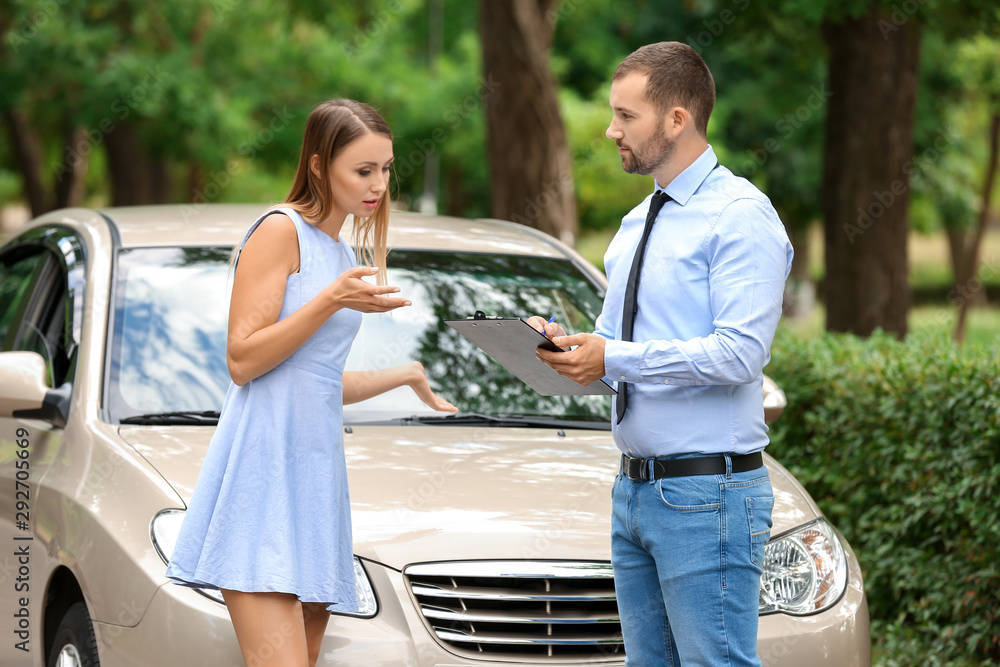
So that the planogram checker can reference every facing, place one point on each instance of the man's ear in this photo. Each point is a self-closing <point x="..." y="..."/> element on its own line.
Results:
<point x="314" y="164"/>
<point x="676" y="120"/>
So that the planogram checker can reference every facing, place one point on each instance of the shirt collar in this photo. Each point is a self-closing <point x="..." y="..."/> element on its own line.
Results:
<point x="686" y="183"/>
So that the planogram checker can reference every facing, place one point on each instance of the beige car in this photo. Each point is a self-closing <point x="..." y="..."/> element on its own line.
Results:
<point x="480" y="538"/>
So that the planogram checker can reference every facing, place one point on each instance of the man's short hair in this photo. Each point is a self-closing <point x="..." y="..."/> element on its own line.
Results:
<point x="677" y="77"/>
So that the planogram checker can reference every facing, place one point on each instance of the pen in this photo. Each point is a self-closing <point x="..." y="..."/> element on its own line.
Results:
<point x="551" y="320"/>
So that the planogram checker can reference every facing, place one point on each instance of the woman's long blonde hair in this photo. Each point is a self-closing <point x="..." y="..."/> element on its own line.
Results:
<point x="330" y="128"/>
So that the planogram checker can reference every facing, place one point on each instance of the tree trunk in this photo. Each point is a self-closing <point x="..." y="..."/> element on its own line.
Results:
<point x="800" y="292"/>
<point x="458" y="202"/>
<point x="963" y="269"/>
<point x="967" y="286"/>
<point x="136" y="177"/>
<point x="71" y="174"/>
<point x="160" y="182"/>
<point x="531" y="176"/>
<point x="28" y="154"/>
<point x="867" y="161"/>
<point x="195" y="181"/>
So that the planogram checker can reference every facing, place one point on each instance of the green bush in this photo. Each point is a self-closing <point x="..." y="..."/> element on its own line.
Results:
<point x="899" y="443"/>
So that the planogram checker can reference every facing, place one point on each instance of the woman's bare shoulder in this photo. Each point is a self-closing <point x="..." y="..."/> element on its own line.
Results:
<point x="274" y="240"/>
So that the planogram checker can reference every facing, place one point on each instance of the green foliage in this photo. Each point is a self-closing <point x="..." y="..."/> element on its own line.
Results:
<point x="604" y="192"/>
<point x="222" y="88"/>
<point x="225" y="87"/>
<point x="960" y="87"/>
<point x="899" y="443"/>
<point x="775" y="128"/>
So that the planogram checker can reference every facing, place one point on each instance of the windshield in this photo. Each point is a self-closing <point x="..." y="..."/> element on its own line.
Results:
<point x="169" y="341"/>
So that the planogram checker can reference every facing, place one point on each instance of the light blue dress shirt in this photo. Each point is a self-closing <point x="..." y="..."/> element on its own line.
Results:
<point x="709" y="301"/>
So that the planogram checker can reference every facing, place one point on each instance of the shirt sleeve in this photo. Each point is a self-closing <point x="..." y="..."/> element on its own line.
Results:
<point x="602" y="327"/>
<point x="749" y="258"/>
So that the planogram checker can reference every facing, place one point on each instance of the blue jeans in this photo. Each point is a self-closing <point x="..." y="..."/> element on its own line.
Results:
<point x="687" y="555"/>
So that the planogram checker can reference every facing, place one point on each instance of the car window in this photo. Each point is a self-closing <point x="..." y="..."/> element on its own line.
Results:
<point x="444" y="285"/>
<point x="18" y="269"/>
<point x="168" y="352"/>
<point x="45" y="325"/>
<point x="169" y="343"/>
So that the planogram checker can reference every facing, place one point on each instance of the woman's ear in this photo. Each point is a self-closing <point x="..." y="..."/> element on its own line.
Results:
<point x="314" y="165"/>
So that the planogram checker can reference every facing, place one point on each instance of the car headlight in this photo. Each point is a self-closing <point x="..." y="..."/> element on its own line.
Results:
<point x="805" y="571"/>
<point x="167" y="525"/>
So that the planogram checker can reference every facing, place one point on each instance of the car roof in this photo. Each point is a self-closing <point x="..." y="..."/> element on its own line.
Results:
<point x="225" y="225"/>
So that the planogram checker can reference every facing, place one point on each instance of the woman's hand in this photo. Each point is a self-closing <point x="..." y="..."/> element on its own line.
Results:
<point x="362" y="385"/>
<point x="350" y="291"/>
<point x="422" y="388"/>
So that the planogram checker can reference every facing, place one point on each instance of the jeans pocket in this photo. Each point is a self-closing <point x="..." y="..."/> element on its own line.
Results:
<point x="759" y="516"/>
<point x="697" y="493"/>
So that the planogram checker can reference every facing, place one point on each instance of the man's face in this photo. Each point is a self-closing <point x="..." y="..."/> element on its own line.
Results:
<point x="637" y="128"/>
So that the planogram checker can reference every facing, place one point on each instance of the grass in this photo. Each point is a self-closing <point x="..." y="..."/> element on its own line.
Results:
<point x="938" y="321"/>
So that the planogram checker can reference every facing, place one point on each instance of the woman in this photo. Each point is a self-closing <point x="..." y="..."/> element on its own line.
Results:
<point x="269" y="523"/>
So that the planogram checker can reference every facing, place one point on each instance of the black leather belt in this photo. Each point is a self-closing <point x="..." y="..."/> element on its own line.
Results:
<point x="638" y="469"/>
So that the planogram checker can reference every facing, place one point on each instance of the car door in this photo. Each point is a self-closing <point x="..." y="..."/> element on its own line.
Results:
<point x="36" y="314"/>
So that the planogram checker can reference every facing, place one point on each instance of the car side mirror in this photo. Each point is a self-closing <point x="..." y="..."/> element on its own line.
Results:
<point x="774" y="400"/>
<point x="23" y="392"/>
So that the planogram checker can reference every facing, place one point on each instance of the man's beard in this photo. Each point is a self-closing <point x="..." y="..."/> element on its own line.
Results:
<point x="649" y="156"/>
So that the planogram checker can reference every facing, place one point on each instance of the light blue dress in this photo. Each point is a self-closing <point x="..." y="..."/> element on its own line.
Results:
<point x="271" y="511"/>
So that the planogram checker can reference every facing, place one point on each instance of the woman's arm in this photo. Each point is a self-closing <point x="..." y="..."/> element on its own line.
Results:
<point x="257" y="341"/>
<point x="362" y="385"/>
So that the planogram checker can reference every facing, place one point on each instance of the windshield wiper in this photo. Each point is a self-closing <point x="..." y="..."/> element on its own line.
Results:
<point x="501" y="420"/>
<point x="181" y="418"/>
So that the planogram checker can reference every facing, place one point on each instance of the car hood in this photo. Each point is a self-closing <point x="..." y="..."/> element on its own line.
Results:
<point x="428" y="493"/>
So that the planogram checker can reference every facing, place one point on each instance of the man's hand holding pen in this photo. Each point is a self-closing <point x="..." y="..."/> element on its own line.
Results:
<point x="584" y="363"/>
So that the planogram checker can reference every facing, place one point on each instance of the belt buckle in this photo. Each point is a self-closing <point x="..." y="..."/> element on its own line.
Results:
<point x="634" y="469"/>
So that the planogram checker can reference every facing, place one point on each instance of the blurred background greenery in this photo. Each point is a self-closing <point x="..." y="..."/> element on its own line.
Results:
<point x="118" y="102"/>
<point x="124" y="102"/>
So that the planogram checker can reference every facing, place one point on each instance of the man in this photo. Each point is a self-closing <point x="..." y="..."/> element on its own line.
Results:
<point x="692" y="504"/>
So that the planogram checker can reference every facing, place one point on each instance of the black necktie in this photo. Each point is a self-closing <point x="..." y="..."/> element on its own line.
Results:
<point x="632" y="287"/>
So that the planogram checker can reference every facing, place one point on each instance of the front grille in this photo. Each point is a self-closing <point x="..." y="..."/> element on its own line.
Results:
<point x="520" y="609"/>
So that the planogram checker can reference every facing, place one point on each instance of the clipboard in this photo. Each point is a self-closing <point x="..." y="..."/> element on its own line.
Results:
<point x="512" y="342"/>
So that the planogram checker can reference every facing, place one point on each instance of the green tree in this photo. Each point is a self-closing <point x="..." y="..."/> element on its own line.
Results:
<point x="206" y="100"/>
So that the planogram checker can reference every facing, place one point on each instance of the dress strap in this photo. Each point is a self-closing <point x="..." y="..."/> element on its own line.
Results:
<point x="297" y="220"/>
